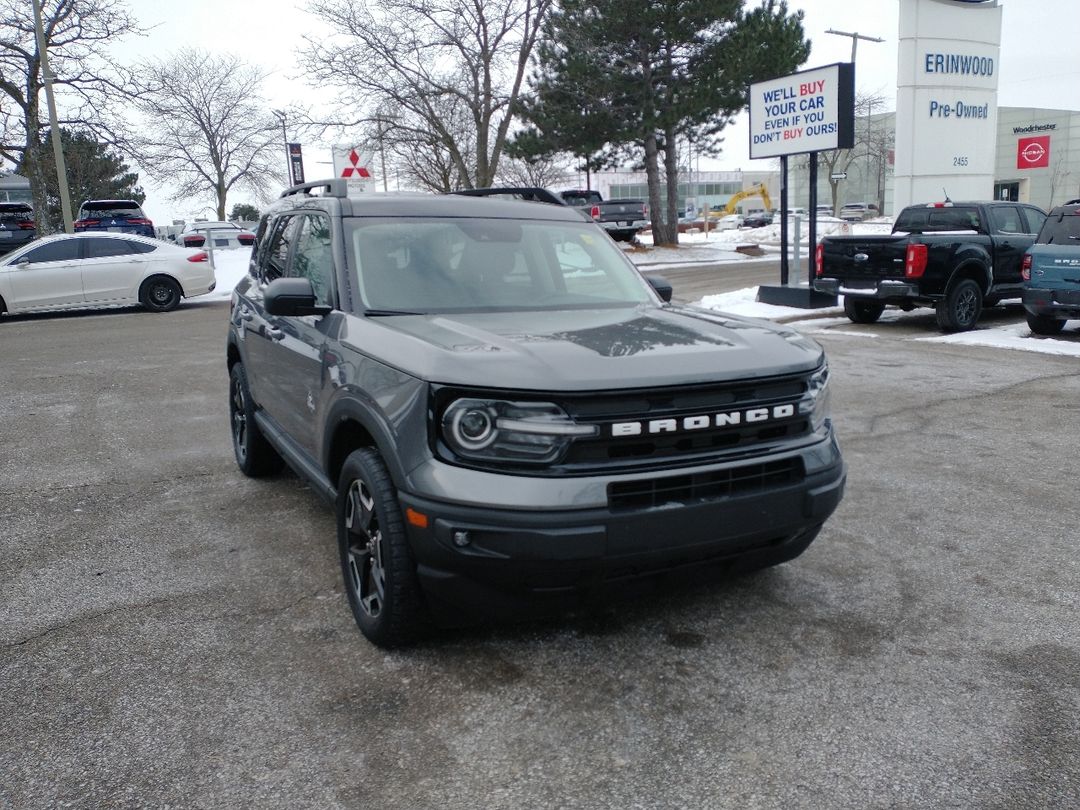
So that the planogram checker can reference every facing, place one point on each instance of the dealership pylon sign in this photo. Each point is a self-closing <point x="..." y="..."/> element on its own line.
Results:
<point x="353" y="163"/>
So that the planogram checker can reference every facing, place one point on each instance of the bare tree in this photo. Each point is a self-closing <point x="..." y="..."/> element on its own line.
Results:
<point x="534" y="172"/>
<point x="422" y="58"/>
<point x="77" y="33"/>
<point x="872" y="142"/>
<point x="206" y="129"/>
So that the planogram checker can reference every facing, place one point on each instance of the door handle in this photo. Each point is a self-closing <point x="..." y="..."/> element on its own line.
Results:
<point x="275" y="334"/>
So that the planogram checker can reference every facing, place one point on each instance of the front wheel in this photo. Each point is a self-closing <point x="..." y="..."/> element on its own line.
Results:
<point x="160" y="294"/>
<point x="959" y="310"/>
<point x="862" y="311"/>
<point x="379" y="572"/>
<point x="1045" y="325"/>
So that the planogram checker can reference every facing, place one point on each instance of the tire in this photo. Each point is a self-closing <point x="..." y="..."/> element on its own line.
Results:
<point x="377" y="567"/>
<point x="1045" y="325"/>
<point x="862" y="311"/>
<point x="160" y="294"/>
<point x="623" y="236"/>
<point x="959" y="310"/>
<point x="255" y="456"/>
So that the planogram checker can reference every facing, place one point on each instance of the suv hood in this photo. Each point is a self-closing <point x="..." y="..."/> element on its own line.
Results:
<point x="580" y="350"/>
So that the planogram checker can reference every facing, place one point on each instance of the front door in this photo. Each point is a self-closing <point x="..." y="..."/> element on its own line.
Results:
<point x="48" y="275"/>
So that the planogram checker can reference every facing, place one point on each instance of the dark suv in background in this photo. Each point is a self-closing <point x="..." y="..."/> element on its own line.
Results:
<point x="16" y="225"/>
<point x="1051" y="271"/>
<point x="119" y="216"/>
<point x="505" y="414"/>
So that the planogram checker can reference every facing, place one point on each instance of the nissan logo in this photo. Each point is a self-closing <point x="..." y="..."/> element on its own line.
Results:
<point x="1033" y="152"/>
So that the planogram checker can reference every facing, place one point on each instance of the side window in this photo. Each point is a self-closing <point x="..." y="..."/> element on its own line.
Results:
<point x="98" y="248"/>
<point x="1035" y="219"/>
<point x="313" y="259"/>
<point x="275" y="259"/>
<point x="1006" y="219"/>
<point x="59" y="251"/>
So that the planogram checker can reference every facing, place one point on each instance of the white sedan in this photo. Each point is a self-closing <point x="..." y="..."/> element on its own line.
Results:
<point x="95" y="269"/>
<point x="221" y="235"/>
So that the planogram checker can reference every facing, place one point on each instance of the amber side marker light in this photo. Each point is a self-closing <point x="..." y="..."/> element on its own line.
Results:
<point x="415" y="518"/>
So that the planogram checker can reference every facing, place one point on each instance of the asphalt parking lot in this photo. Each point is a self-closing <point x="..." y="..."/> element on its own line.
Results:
<point x="173" y="634"/>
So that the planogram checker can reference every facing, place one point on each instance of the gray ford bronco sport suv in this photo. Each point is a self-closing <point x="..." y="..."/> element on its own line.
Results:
<point x="504" y="413"/>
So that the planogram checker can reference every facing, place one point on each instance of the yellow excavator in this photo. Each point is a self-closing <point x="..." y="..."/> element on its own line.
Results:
<point x="756" y="190"/>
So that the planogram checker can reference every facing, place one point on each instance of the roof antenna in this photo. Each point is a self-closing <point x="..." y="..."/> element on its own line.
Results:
<point x="946" y="195"/>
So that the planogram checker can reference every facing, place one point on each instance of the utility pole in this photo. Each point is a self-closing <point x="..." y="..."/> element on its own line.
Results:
<point x="54" y="127"/>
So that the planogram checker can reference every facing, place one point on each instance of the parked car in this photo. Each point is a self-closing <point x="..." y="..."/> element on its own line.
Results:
<point x="115" y="216"/>
<point x="506" y="415"/>
<point x="729" y="222"/>
<point x="1051" y="272"/>
<point x="857" y="211"/>
<point x="221" y="236"/>
<point x="16" y="225"/>
<point x="99" y="270"/>
<point x="760" y="219"/>
<point x="955" y="257"/>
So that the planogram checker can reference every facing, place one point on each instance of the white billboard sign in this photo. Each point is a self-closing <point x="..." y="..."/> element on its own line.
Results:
<point x="946" y="100"/>
<point x="809" y="111"/>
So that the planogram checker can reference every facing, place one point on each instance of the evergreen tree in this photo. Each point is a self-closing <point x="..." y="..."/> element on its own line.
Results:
<point x="244" y="212"/>
<point x="93" y="173"/>
<point x="641" y="75"/>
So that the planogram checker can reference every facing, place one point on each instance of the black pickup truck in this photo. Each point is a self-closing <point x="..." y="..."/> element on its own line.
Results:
<point x="955" y="257"/>
<point x="622" y="219"/>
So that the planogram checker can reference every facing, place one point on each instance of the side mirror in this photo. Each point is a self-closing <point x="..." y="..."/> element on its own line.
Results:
<point x="661" y="285"/>
<point x="291" y="297"/>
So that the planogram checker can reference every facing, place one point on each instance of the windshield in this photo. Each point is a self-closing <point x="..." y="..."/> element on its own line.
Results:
<point x="433" y="266"/>
<point x="112" y="208"/>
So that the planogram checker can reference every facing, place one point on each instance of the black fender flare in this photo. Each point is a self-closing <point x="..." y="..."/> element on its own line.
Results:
<point x="355" y="410"/>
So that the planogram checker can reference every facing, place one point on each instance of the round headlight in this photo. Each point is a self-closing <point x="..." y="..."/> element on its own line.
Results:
<point x="473" y="428"/>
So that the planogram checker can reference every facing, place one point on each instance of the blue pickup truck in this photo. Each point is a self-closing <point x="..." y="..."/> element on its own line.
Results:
<point x="1051" y="270"/>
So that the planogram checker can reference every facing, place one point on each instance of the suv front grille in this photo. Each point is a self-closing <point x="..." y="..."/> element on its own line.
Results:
<point x="710" y="486"/>
<point x="655" y="450"/>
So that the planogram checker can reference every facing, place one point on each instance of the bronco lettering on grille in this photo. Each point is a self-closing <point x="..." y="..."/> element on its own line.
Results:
<point x="703" y="421"/>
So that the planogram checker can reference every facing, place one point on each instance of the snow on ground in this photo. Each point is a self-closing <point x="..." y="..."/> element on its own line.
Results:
<point x="231" y="265"/>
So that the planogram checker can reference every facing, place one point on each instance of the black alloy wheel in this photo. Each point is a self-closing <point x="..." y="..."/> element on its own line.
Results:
<point x="377" y="566"/>
<point x="961" y="307"/>
<point x="1045" y="324"/>
<point x="255" y="457"/>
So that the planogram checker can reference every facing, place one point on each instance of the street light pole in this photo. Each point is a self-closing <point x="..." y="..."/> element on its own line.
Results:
<point x="54" y="127"/>
<point x="285" y="141"/>
<point x="855" y="37"/>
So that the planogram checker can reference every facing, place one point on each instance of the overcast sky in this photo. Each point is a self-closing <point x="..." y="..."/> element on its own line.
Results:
<point x="1038" y="66"/>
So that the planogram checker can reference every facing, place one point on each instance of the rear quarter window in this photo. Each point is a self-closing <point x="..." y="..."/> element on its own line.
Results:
<point x="1060" y="229"/>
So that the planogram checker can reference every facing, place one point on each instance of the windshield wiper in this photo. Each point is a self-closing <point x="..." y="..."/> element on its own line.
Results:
<point x="378" y="313"/>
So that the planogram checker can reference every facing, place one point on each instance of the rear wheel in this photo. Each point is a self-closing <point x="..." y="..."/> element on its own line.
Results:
<point x="378" y="568"/>
<point x="1045" y="325"/>
<point x="160" y="294"/>
<point x="961" y="307"/>
<point x="862" y="311"/>
<point x="255" y="457"/>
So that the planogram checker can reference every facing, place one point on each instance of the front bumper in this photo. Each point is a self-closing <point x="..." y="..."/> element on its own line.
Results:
<point x="474" y="560"/>
<point x="1064" y="304"/>
<point x="884" y="289"/>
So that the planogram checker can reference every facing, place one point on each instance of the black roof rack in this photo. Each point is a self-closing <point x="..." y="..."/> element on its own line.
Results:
<point x="1072" y="202"/>
<point x="336" y="187"/>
